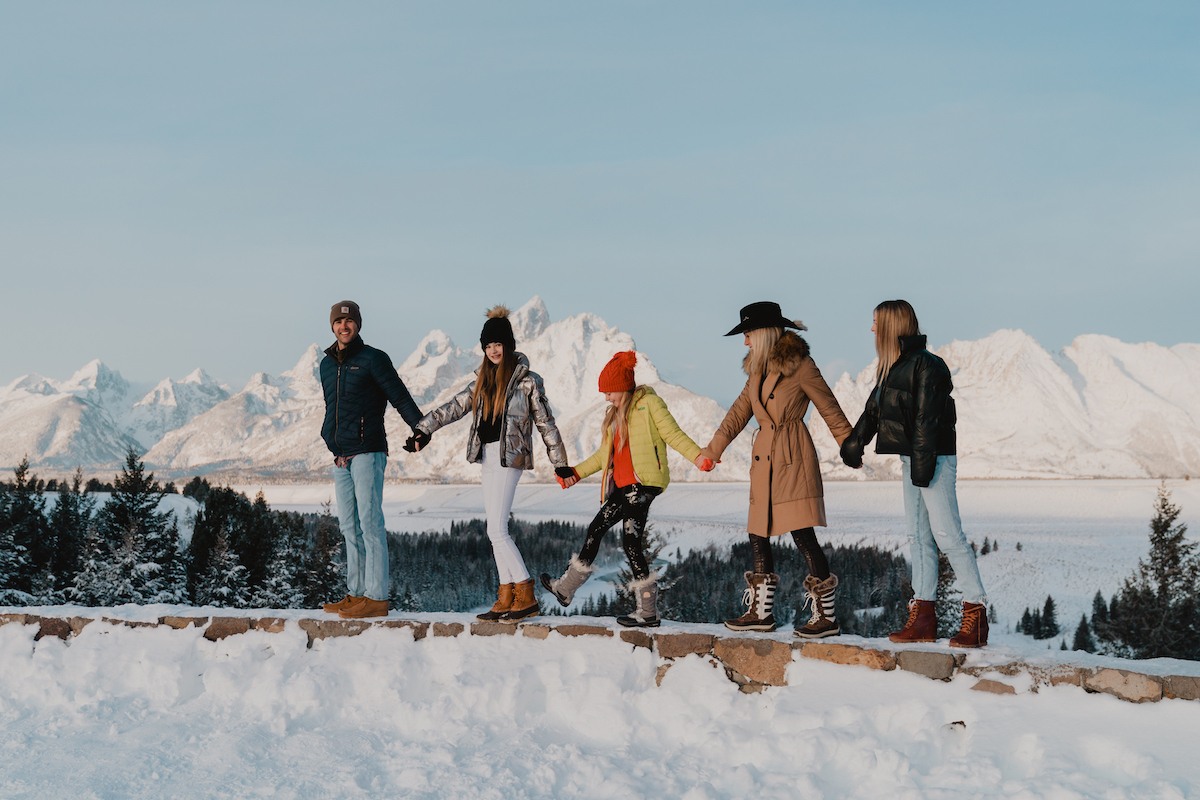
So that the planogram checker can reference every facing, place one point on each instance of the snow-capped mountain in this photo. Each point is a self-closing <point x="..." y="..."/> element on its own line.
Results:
<point x="272" y="427"/>
<point x="92" y="418"/>
<point x="1098" y="408"/>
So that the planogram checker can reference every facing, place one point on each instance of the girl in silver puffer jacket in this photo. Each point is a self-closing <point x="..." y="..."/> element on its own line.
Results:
<point x="506" y="401"/>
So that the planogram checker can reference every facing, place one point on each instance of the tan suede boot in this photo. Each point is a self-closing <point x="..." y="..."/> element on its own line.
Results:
<point x="504" y="601"/>
<point x="364" y="607"/>
<point x="524" y="603"/>
<point x="335" y="607"/>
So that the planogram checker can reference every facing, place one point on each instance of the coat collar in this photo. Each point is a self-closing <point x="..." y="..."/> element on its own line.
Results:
<point x="786" y="356"/>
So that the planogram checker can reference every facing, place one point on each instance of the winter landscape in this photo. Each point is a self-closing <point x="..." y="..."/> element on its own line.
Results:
<point x="130" y="712"/>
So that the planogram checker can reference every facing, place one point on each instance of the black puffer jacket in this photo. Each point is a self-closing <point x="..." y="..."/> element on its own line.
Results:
<point x="913" y="413"/>
<point x="358" y="387"/>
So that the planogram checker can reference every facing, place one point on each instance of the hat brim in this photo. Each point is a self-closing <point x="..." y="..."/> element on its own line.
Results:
<point x="745" y="326"/>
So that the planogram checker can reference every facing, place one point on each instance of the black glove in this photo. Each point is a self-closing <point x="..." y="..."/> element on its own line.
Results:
<point x="852" y="454"/>
<point x="566" y="472"/>
<point x="417" y="441"/>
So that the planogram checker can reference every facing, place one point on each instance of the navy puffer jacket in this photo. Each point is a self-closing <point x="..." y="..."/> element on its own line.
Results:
<point x="357" y="389"/>
<point x="913" y="413"/>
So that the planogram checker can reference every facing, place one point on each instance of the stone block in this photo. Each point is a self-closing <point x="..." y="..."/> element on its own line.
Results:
<point x="179" y="623"/>
<point x="130" y="623"/>
<point x="638" y="638"/>
<point x="419" y="629"/>
<point x="221" y="627"/>
<point x="449" y="629"/>
<point x="583" y="630"/>
<point x="332" y="628"/>
<point x="52" y="626"/>
<point x="536" y="630"/>
<point x="936" y="666"/>
<point x="678" y="645"/>
<point x="492" y="628"/>
<point x="1064" y="676"/>
<point x="19" y="619"/>
<point x="1131" y="686"/>
<point x="269" y="624"/>
<point x="1181" y="687"/>
<point x="851" y="654"/>
<point x="762" y="661"/>
<point x="993" y="687"/>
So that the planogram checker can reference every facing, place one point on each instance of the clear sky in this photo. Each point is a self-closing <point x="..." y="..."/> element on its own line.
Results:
<point x="193" y="184"/>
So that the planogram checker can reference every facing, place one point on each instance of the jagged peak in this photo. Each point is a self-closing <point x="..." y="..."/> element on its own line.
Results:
<point x="530" y="320"/>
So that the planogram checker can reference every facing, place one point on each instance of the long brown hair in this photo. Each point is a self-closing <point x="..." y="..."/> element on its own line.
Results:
<point x="893" y="319"/>
<point x="491" y="385"/>
<point x="616" y="418"/>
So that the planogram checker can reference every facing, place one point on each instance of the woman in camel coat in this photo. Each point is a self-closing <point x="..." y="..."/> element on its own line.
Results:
<point x="786" y="493"/>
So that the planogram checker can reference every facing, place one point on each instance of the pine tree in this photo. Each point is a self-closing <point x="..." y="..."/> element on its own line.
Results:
<point x="1083" y="636"/>
<point x="1159" y="610"/>
<point x="1049" y="619"/>
<point x="326" y="578"/>
<point x="283" y="585"/>
<point x="23" y="515"/>
<point x="224" y="582"/>
<point x="69" y="522"/>
<point x="948" y="604"/>
<point x="987" y="547"/>
<point x="140" y="543"/>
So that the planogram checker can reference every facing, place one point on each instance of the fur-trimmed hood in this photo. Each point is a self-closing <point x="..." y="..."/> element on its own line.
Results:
<point x="786" y="356"/>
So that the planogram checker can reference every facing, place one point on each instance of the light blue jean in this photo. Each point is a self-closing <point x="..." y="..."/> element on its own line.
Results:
<point x="933" y="524"/>
<point x="359" y="491"/>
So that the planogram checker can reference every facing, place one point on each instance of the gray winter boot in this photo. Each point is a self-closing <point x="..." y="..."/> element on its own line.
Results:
<point x="645" y="615"/>
<point x="823" y="621"/>
<point x="760" y="597"/>
<point x="565" y="587"/>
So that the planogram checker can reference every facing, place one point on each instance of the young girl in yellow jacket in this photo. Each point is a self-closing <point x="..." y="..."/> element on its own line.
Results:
<point x="636" y="431"/>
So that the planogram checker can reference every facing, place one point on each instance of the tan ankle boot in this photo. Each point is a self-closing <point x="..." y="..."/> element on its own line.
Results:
<point x="504" y="601"/>
<point x="524" y="603"/>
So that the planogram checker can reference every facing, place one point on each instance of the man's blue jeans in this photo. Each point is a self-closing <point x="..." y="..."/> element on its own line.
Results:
<point x="359" y="490"/>
<point x="933" y="524"/>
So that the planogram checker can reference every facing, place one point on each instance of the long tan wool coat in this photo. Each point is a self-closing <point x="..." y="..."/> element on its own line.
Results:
<point x="786" y="492"/>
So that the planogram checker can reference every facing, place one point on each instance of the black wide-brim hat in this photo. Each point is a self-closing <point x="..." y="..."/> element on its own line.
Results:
<point x="762" y="315"/>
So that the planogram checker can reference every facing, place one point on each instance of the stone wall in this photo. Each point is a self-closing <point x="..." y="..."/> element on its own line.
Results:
<point x="753" y="661"/>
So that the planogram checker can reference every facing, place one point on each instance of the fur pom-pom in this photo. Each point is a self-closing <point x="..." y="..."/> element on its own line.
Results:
<point x="496" y="311"/>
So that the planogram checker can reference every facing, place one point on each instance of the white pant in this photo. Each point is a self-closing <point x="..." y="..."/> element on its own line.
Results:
<point x="499" y="488"/>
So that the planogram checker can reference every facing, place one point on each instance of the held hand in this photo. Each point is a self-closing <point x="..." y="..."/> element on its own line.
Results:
<point x="566" y="477"/>
<point x="704" y="464"/>
<point x="417" y="441"/>
<point x="851" y="455"/>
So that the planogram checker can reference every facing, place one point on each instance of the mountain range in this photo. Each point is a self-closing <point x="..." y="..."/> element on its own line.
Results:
<point x="1099" y="408"/>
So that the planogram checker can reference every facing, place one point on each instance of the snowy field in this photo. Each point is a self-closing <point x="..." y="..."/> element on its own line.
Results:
<point x="120" y="712"/>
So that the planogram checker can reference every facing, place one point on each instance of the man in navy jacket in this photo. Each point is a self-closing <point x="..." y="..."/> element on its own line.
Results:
<point x="359" y="381"/>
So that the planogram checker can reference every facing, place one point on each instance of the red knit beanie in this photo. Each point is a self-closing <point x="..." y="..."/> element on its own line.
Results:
<point x="617" y="375"/>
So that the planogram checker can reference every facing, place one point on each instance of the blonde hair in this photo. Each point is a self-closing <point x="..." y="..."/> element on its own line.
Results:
<point x="762" y="341"/>
<point x="893" y="319"/>
<point x="491" y="385"/>
<point x="616" y="418"/>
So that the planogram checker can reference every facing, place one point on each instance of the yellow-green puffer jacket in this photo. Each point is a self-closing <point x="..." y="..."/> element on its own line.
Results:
<point x="651" y="429"/>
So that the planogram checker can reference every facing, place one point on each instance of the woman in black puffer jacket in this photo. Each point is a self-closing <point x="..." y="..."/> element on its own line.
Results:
<point x="910" y="413"/>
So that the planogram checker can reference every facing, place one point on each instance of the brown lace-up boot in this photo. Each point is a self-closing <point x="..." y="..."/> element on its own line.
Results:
<point x="504" y="600"/>
<point x="821" y="596"/>
<point x="336" y="607"/>
<point x="974" y="630"/>
<point x="524" y="603"/>
<point x="921" y="625"/>
<point x="760" y="597"/>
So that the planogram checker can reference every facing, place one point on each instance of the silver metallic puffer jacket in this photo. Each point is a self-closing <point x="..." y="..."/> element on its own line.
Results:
<point x="525" y="406"/>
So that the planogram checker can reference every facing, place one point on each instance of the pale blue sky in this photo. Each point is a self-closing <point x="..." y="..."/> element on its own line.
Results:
<point x="193" y="184"/>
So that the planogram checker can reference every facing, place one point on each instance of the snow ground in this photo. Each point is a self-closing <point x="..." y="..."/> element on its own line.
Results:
<point x="120" y="712"/>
